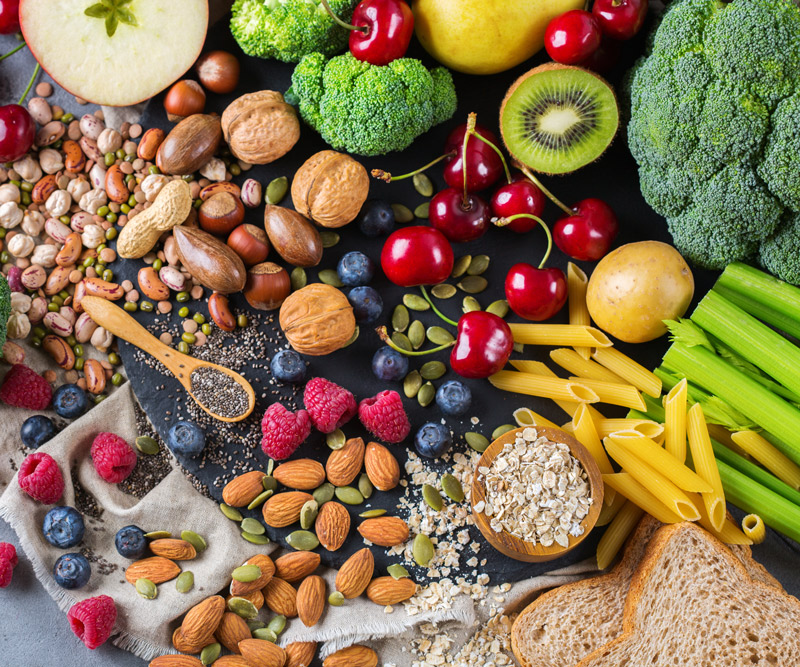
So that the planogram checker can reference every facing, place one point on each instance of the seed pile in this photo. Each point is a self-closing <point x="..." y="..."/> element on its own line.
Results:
<point x="218" y="392"/>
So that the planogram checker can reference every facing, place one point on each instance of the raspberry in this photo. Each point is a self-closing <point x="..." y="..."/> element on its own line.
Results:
<point x="92" y="620"/>
<point x="385" y="417"/>
<point x="8" y="561"/>
<point x="40" y="477"/>
<point x="25" y="388"/>
<point x="113" y="458"/>
<point x="284" y="431"/>
<point x="329" y="405"/>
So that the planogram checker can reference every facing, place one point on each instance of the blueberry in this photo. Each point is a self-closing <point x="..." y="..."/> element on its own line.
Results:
<point x="130" y="542"/>
<point x="376" y="218"/>
<point x="70" y="401"/>
<point x="72" y="571"/>
<point x="288" y="366"/>
<point x="453" y="398"/>
<point x="186" y="439"/>
<point x="433" y="440"/>
<point x="389" y="364"/>
<point x="63" y="527"/>
<point x="355" y="269"/>
<point x="367" y="304"/>
<point x="37" y="430"/>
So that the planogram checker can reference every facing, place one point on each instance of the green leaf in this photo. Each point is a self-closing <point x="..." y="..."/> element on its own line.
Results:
<point x="687" y="332"/>
<point x="126" y="16"/>
<point x="98" y="11"/>
<point x="108" y="3"/>
<point x="111" y="24"/>
<point x="717" y="411"/>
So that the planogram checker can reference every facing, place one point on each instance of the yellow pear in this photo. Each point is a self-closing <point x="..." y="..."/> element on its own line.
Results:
<point x="485" y="36"/>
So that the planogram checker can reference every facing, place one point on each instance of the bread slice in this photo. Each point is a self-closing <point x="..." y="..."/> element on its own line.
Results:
<point x="692" y="603"/>
<point x="564" y="625"/>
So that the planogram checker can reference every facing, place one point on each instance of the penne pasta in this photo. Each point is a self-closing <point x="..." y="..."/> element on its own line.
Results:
<point x="723" y="436"/>
<point x="559" y="335"/>
<point x="544" y="387"/>
<point x="646" y="427"/>
<point x="584" y="431"/>
<point x="730" y="533"/>
<point x="627" y="486"/>
<point x="705" y="465"/>
<point x="576" y="296"/>
<point x="573" y="363"/>
<point x="621" y="527"/>
<point x="527" y="417"/>
<point x="608" y="512"/>
<point x="629" y="370"/>
<point x="654" y="481"/>
<point x="753" y="526"/>
<point x="768" y="456"/>
<point x="613" y="393"/>
<point x="675" y="421"/>
<point x="539" y="368"/>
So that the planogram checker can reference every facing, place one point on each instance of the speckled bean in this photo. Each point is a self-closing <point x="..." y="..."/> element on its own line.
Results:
<point x="84" y="327"/>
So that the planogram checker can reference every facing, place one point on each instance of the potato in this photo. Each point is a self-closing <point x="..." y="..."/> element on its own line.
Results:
<point x="637" y="286"/>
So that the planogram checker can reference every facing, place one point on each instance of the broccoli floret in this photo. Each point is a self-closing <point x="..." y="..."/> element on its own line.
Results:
<point x="780" y="166"/>
<point x="289" y="29"/>
<point x="369" y="110"/>
<point x="778" y="254"/>
<point x="5" y="309"/>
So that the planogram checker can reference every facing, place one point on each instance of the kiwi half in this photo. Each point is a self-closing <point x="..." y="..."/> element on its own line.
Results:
<point x="556" y="118"/>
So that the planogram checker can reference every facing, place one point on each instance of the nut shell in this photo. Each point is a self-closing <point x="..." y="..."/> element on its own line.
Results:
<point x="260" y="127"/>
<point x="317" y="319"/>
<point x="211" y="263"/>
<point x="294" y="238"/>
<point x="250" y="243"/>
<point x="221" y="213"/>
<point x="267" y="286"/>
<point x="189" y="145"/>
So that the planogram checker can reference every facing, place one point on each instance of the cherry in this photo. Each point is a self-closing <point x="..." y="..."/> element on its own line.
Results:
<point x="459" y="218"/>
<point x="417" y="256"/>
<point x="620" y="19"/>
<point x="572" y="37"/>
<point x="605" y="58"/>
<point x="587" y="235"/>
<point x="484" y="165"/>
<point x="483" y="345"/>
<point x="519" y="196"/>
<point x="535" y="293"/>
<point x="9" y="17"/>
<point x="17" y="131"/>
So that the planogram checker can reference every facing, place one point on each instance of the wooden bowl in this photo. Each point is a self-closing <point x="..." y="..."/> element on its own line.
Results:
<point x="514" y="547"/>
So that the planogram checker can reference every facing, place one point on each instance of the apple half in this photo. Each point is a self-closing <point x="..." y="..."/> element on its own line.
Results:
<point x="114" y="52"/>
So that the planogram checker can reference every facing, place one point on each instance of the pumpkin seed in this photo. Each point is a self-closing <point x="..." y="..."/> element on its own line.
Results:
<point x="402" y="213"/>
<point x="354" y="337"/>
<point x="432" y="370"/>
<point x="415" y="302"/>
<point x="246" y="573"/>
<point x="416" y="334"/>
<point x="423" y="185"/>
<point x="412" y="383"/>
<point x="302" y="540"/>
<point x="195" y="540"/>
<point x="329" y="239"/>
<point x="397" y="571"/>
<point x="336" y="599"/>
<point x="253" y="526"/>
<point x="519" y="348"/>
<point x="242" y="607"/>
<point x="299" y="278"/>
<point x="452" y="487"/>
<point x="231" y="512"/>
<point x="402" y="341"/>
<point x="460" y="266"/>
<point x="371" y="514"/>
<point x="422" y="550"/>
<point x="499" y="308"/>
<point x="185" y="581"/>
<point x="500" y="430"/>
<point x="432" y="497"/>
<point x="308" y="514"/>
<point x="255" y="624"/>
<point x="443" y="291"/>
<point x="470" y="304"/>
<point x="270" y="470"/>
<point x="439" y="335"/>
<point x="336" y="439"/>
<point x="147" y="589"/>
<point x="277" y="624"/>
<point x="260" y="499"/>
<point x="473" y="284"/>
<point x="277" y="189"/>
<point x="427" y="392"/>
<point x="210" y="653"/>
<point x="266" y="634"/>
<point x="158" y="535"/>
<point x="147" y="445"/>
<point x="422" y="210"/>
<point x="349" y="495"/>
<point x="478" y="265"/>
<point x="477" y="441"/>
<point x="322" y="494"/>
<point x="330" y="277"/>
<point x="400" y="318"/>
<point x="365" y="486"/>
<point x="269" y="482"/>
<point x="255" y="539"/>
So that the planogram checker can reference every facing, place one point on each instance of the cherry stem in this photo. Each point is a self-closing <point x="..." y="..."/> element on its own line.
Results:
<point x="499" y="153"/>
<point x="383" y="334"/>
<point x="344" y="24"/>
<point x="30" y="84"/>
<point x="529" y="175"/>
<point x="13" y="51"/>
<point x="435" y="309"/>
<point x="386" y="176"/>
<point x="472" y="118"/>
<point x="502" y="222"/>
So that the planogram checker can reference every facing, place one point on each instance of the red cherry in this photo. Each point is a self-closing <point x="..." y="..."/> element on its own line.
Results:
<point x="417" y="256"/>
<point x="9" y="17"/>
<point x="484" y="166"/>
<point x="620" y="19"/>
<point x="535" y="294"/>
<point x="483" y="345"/>
<point x="459" y="223"/>
<point x="572" y="37"/>
<point x="519" y="196"/>
<point x="587" y="235"/>
<point x="605" y="58"/>
<point x="389" y="25"/>
<point x="17" y="130"/>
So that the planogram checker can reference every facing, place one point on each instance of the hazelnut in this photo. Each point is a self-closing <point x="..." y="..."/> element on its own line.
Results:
<point x="185" y="98"/>
<point x="221" y="213"/>
<point x="267" y="286"/>
<point x="218" y="71"/>
<point x="250" y="243"/>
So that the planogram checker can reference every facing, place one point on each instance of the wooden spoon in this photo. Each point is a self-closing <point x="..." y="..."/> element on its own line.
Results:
<point x="118" y="322"/>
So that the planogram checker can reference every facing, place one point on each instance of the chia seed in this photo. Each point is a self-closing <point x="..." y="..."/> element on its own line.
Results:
<point x="218" y="392"/>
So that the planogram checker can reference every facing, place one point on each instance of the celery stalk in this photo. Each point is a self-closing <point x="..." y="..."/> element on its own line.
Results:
<point x="754" y="472"/>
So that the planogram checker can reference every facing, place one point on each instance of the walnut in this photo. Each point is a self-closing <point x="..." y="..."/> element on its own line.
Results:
<point x="317" y="320"/>
<point x="330" y="188"/>
<point x="260" y="127"/>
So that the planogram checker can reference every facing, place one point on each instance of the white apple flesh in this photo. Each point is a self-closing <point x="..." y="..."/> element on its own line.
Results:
<point x="137" y="62"/>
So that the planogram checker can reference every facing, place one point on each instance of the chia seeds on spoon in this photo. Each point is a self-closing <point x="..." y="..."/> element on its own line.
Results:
<point x="218" y="392"/>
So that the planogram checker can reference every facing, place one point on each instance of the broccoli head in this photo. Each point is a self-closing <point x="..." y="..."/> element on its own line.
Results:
<point x="5" y="309"/>
<point x="713" y="127"/>
<point x="779" y="253"/>
<point x="370" y="110"/>
<point x="289" y="29"/>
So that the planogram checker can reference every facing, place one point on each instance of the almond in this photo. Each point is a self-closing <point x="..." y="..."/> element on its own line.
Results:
<point x="382" y="467"/>
<point x="261" y="653"/>
<point x="203" y="619"/>
<point x="281" y="597"/>
<point x="388" y="590"/>
<point x="232" y="629"/>
<point x="355" y="574"/>
<point x="283" y="509"/>
<point x="180" y="643"/>
<point x="231" y="661"/>
<point x="332" y="525"/>
<point x="156" y="569"/>
<point x="300" y="654"/>
<point x="242" y="490"/>
<point x="352" y="656"/>
<point x="173" y="549"/>
<point x="311" y="600"/>
<point x="303" y="474"/>
<point x="295" y="566"/>
<point x="256" y="597"/>
<point x="385" y="531"/>
<point x="175" y="661"/>
<point x="344" y="464"/>
<point x="267" y="568"/>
